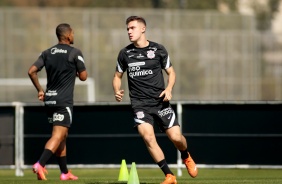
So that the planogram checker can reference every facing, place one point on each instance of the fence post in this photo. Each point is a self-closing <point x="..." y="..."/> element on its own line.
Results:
<point x="19" y="138"/>
<point x="179" y="117"/>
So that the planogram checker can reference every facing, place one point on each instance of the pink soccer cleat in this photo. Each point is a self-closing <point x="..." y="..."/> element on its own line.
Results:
<point x="40" y="171"/>
<point x="68" y="176"/>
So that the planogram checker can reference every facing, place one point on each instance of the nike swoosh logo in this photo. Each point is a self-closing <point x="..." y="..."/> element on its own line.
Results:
<point x="169" y="116"/>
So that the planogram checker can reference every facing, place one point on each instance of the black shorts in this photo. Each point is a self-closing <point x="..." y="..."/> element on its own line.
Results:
<point x="61" y="116"/>
<point x="162" y="114"/>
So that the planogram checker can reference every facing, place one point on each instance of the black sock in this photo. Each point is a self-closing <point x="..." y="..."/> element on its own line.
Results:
<point x="164" y="167"/>
<point x="62" y="161"/>
<point x="46" y="155"/>
<point x="184" y="154"/>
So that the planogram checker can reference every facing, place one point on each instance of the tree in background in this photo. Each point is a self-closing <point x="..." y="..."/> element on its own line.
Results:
<point x="264" y="12"/>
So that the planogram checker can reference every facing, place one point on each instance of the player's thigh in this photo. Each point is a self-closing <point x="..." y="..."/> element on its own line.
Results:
<point x="174" y="133"/>
<point x="60" y="132"/>
<point x="145" y="129"/>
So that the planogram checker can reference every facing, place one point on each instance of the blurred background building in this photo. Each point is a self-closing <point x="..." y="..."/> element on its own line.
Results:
<point x="222" y="50"/>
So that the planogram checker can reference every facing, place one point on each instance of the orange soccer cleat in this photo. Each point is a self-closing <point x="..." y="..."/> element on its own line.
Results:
<point x="169" y="179"/>
<point x="191" y="166"/>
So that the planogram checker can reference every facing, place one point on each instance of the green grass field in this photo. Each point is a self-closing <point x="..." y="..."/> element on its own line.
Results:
<point x="152" y="176"/>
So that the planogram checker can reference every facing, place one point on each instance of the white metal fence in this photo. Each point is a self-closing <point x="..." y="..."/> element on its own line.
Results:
<point x="216" y="56"/>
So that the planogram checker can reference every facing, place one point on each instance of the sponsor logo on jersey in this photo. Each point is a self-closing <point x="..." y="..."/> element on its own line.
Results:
<point x="140" y="56"/>
<point x="135" y="70"/>
<point x="165" y="112"/>
<point x="140" y="114"/>
<point x="58" y="117"/>
<point x="51" y="93"/>
<point x="51" y="102"/>
<point x="140" y="73"/>
<point x="130" y="56"/>
<point x="55" y="50"/>
<point x="151" y="54"/>
<point x="136" y="64"/>
<point x="129" y="50"/>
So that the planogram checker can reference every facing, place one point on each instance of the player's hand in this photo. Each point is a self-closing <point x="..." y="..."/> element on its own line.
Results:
<point x="119" y="94"/>
<point x="166" y="94"/>
<point x="41" y="95"/>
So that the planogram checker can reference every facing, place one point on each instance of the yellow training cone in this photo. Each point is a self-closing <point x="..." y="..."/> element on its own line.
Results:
<point x="123" y="172"/>
<point x="133" y="176"/>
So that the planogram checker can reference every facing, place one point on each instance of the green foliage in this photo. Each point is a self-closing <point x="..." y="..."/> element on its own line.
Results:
<point x="264" y="14"/>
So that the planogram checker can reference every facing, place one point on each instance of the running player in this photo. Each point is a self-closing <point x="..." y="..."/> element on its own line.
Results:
<point x="144" y="61"/>
<point x="62" y="63"/>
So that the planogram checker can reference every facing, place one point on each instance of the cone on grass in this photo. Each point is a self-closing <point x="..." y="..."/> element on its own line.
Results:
<point x="123" y="172"/>
<point x="133" y="176"/>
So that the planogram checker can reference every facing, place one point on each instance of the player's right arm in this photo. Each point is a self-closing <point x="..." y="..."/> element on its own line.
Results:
<point x="120" y="68"/>
<point x="116" y="86"/>
<point x="32" y="72"/>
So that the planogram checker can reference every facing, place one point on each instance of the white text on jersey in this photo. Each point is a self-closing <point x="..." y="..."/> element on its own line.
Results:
<point x="55" y="50"/>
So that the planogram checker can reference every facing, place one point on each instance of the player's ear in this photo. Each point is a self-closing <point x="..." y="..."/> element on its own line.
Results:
<point x="144" y="29"/>
<point x="68" y="36"/>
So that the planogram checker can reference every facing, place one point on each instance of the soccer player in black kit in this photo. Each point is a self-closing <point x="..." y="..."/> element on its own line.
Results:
<point x="144" y="61"/>
<point x="63" y="63"/>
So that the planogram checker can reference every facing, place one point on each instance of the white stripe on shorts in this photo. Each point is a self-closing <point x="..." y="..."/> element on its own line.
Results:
<point x="69" y="111"/>
<point x="172" y="120"/>
<point x="139" y="121"/>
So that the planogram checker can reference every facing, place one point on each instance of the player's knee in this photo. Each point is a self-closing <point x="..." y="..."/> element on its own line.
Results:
<point x="59" y="138"/>
<point x="176" y="138"/>
<point x="149" y="139"/>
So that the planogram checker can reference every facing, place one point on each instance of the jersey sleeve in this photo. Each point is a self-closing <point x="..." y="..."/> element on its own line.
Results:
<point x="39" y="63"/>
<point x="78" y="60"/>
<point x="121" y="66"/>
<point x="165" y="60"/>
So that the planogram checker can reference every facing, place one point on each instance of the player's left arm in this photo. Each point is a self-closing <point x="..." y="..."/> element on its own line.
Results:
<point x="82" y="75"/>
<point x="81" y="71"/>
<point x="167" y="93"/>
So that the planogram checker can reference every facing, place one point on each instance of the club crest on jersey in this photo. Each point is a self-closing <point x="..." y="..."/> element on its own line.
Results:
<point x="140" y="114"/>
<point x="151" y="54"/>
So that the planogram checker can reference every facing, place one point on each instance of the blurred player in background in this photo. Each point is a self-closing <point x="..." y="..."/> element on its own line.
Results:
<point x="63" y="63"/>
<point x="144" y="60"/>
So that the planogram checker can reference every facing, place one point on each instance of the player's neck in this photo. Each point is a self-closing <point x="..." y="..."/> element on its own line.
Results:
<point x="64" y="42"/>
<point x="141" y="43"/>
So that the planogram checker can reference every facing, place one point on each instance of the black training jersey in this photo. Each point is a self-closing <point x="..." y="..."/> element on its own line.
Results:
<point x="144" y="69"/>
<point x="62" y="62"/>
